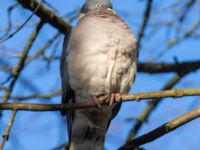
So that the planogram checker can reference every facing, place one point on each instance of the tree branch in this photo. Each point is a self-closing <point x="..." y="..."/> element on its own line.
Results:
<point x="135" y="97"/>
<point x="46" y="15"/>
<point x="20" y="65"/>
<point x="153" y="104"/>
<point x="49" y="17"/>
<point x="162" y="130"/>
<point x="167" y="67"/>
<point x="37" y="96"/>
<point x="21" y="26"/>
<point x="8" y="129"/>
<point x="145" y="21"/>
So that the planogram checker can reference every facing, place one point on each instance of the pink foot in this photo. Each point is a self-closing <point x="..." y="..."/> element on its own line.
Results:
<point x="95" y="101"/>
<point x="115" y="97"/>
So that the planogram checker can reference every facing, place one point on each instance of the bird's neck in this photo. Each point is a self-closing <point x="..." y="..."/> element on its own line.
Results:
<point x="81" y="15"/>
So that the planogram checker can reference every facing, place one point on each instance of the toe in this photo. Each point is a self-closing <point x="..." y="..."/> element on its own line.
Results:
<point x="118" y="97"/>
<point x="95" y="101"/>
<point x="112" y="99"/>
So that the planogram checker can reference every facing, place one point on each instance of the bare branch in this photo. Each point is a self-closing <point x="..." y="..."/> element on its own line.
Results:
<point x="162" y="130"/>
<point x="42" y="50"/>
<point x="186" y="35"/>
<point x="10" y="9"/>
<point x="166" y="67"/>
<point x="135" y="97"/>
<point x="173" y="42"/>
<point x="145" y="21"/>
<point x="37" y="96"/>
<point x="15" y="32"/>
<point x="7" y="131"/>
<point x="152" y="105"/>
<point x="19" y="67"/>
<point x="46" y="15"/>
<point x="186" y="8"/>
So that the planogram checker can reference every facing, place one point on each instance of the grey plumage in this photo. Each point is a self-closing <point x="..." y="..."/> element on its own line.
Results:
<point x="93" y="4"/>
<point x="98" y="58"/>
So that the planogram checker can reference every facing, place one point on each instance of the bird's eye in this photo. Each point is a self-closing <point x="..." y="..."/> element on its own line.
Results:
<point x="97" y="5"/>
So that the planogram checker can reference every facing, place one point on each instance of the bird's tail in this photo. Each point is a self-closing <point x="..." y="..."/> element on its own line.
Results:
<point x="87" y="129"/>
<point x="86" y="145"/>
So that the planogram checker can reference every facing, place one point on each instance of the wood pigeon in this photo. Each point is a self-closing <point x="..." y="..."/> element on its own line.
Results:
<point x="99" y="58"/>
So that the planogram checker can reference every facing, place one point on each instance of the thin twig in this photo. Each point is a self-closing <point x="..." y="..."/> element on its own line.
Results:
<point x="186" y="9"/>
<point x="19" y="67"/>
<point x="173" y="42"/>
<point x="37" y="96"/>
<point x="152" y="105"/>
<point x="144" y="22"/>
<point x="46" y="15"/>
<point x="8" y="129"/>
<point x="175" y="93"/>
<point x="41" y="51"/>
<point x="27" y="20"/>
<point x="9" y="26"/>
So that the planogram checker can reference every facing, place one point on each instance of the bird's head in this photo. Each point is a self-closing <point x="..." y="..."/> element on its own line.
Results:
<point x="92" y="4"/>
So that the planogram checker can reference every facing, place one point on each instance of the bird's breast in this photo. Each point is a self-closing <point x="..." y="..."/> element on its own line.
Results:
<point x="101" y="57"/>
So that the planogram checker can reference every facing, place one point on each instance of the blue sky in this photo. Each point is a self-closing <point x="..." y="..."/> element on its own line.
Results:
<point x="46" y="130"/>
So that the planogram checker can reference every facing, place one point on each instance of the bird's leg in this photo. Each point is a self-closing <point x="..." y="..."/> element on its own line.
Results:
<point x="95" y="101"/>
<point x="109" y="99"/>
<point x="115" y="97"/>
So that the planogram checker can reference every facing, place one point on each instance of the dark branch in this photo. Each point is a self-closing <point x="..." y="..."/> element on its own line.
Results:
<point x="46" y="15"/>
<point x="166" y="67"/>
<point x="144" y="22"/>
<point x="162" y="130"/>
<point x="152" y="105"/>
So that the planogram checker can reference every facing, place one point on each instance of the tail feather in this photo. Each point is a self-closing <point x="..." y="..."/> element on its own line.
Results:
<point x="88" y="129"/>
<point x="86" y="145"/>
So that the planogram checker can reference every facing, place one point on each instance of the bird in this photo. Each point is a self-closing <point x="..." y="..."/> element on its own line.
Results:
<point x="99" y="58"/>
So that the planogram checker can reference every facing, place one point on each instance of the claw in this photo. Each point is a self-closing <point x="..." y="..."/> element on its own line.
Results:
<point x="109" y="99"/>
<point x="115" y="97"/>
<point x="112" y="99"/>
<point x="95" y="101"/>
